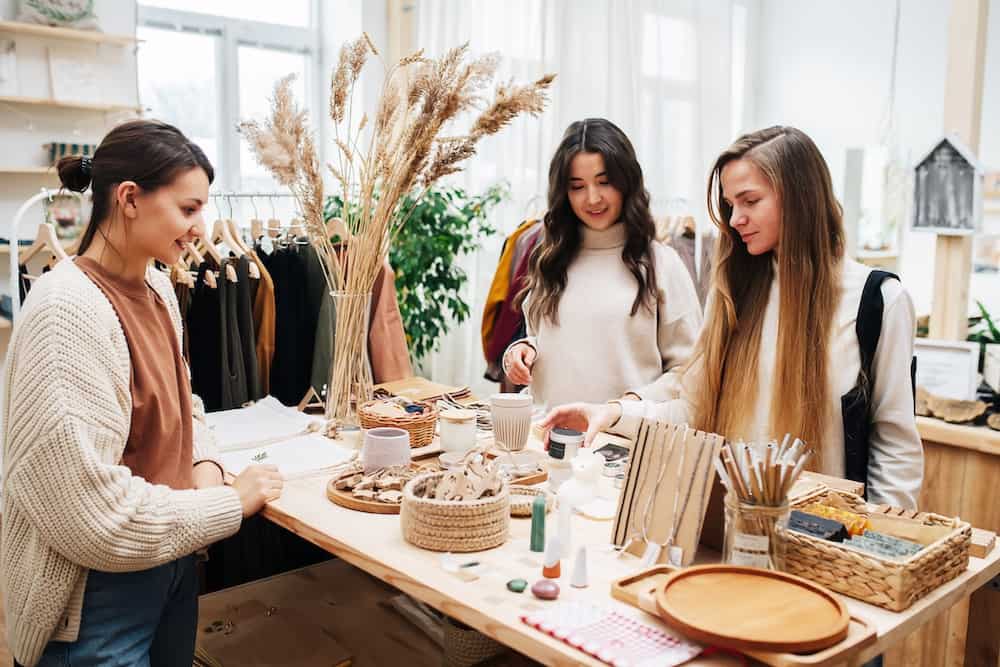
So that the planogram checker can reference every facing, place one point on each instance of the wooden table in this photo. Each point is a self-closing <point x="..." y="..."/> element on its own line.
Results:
<point x="375" y="544"/>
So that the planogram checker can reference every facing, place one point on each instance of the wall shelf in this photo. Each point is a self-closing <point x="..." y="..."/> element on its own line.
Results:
<point x="28" y="171"/>
<point x="65" y="33"/>
<point x="60" y="104"/>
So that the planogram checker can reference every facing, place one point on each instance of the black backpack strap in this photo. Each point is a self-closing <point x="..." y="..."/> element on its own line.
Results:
<point x="869" y="323"/>
<point x="856" y="404"/>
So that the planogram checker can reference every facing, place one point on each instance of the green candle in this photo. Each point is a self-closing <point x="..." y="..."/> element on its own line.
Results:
<point x="538" y="524"/>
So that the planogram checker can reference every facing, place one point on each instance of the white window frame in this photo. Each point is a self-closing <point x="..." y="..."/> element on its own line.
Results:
<point x="232" y="33"/>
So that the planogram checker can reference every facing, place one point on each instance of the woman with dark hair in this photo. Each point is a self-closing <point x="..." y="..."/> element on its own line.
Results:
<point x="110" y="481"/>
<point x="609" y="310"/>
<point x="799" y="338"/>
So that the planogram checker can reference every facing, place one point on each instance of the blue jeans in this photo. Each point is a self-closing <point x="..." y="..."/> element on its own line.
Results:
<point x="147" y="619"/>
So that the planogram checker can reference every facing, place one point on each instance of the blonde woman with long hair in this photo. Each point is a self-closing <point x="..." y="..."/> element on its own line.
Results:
<point x="797" y="338"/>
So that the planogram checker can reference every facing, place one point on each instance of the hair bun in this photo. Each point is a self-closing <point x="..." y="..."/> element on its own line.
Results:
<point x="75" y="172"/>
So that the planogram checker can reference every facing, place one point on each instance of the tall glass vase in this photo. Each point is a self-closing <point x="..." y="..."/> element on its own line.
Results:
<point x="351" y="372"/>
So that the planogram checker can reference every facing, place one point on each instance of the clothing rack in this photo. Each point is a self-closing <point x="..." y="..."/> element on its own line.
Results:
<point x="45" y="193"/>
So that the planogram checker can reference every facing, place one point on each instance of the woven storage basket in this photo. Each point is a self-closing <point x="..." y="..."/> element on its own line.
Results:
<point x="420" y="425"/>
<point x="522" y="497"/>
<point x="464" y="647"/>
<point x="448" y="525"/>
<point x="885" y="582"/>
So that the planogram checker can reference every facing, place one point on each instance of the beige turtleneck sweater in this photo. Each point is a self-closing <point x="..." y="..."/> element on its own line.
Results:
<point x="598" y="351"/>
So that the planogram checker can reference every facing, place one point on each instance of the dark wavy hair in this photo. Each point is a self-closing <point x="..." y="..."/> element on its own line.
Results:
<point x="561" y="236"/>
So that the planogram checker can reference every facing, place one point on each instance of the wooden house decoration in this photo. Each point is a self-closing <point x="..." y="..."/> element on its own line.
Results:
<point x="948" y="189"/>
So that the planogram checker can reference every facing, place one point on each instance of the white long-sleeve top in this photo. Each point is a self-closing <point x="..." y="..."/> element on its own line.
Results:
<point x="895" y="462"/>
<point x="599" y="350"/>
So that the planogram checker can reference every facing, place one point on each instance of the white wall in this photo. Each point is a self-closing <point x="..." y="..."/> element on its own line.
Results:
<point x="824" y="67"/>
<point x="23" y="128"/>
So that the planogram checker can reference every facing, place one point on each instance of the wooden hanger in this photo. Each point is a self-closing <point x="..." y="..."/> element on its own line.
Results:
<point x="310" y="400"/>
<point x="688" y="226"/>
<point x="256" y="229"/>
<point x="274" y="228"/>
<point x="234" y="233"/>
<point x="45" y="239"/>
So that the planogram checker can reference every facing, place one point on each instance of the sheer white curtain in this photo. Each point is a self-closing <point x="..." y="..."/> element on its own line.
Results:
<point x="662" y="70"/>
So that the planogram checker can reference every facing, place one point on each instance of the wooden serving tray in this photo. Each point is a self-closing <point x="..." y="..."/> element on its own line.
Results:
<point x="640" y="590"/>
<point x="347" y="499"/>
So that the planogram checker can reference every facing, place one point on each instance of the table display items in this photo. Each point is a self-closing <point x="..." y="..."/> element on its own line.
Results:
<point x="511" y="415"/>
<point x="610" y="636"/>
<point x="457" y="429"/>
<point x="417" y="418"/>
<point x="524" y="499"/>
<point x="764" y="610"/>
<point x="757" y="478"/>
<point x="665" y="493"/>
<point x="385" y="447"/>
<point x="379" y="492"/>
<point x="872" y="553"/>
<point x="640" y="590"/>
<point x="459" y="510"/>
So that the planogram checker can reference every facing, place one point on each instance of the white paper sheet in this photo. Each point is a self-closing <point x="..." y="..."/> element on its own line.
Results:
<point x="265" y="420"/>
<point x="297" y="457"/>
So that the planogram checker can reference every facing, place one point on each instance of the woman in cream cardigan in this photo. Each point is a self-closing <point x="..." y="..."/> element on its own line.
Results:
<point x="110" y="481"/>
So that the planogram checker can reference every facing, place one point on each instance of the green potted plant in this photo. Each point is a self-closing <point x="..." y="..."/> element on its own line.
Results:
<point x="446" y="223"/>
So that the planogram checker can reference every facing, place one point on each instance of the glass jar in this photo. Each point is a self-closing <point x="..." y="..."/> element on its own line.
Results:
<point x="755" y="534"/>
<point x="458" y="430"/>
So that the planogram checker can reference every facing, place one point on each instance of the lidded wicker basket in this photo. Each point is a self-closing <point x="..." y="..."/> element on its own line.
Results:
<point x="453" y="525"/>
<point x="420" y="425"/>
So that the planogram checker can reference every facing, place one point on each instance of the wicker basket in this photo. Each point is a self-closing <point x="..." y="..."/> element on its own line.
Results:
<point x="885" y="582"/>
<point x="447" y="525"/>
<point x="522" y="498"/>
<point x="420" y="425"/>
<point x="464" y="647"/>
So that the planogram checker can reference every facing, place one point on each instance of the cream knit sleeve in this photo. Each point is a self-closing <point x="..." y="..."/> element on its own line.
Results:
<point x="67" y="412"/>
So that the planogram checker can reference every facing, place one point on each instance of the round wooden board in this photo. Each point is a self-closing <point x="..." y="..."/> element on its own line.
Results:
<point x="345" y="499"/>
<point x="749" y="609"/>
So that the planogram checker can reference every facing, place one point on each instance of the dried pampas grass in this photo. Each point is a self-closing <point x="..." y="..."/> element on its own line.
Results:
<point x="403" y="152"/>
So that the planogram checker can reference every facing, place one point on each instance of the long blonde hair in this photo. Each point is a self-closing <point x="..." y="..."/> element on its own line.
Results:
<point x="811" y="247"/>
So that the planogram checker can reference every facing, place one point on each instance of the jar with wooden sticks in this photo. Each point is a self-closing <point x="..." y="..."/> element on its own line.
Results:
<point x="758" y="478"/>
<point x="755" y="534"/>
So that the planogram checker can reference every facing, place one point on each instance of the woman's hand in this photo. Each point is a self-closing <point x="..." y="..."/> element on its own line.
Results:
<point x="591" y="418"/>
<point x="518" y="360"/>
<point x="207" y="474"/>
<point x="257" y="485"/>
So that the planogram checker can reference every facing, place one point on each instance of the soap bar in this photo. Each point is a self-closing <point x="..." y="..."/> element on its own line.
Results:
<point x="884" y="545"/>
<point x="817" y="526"/>
<point x="855" y="523"/>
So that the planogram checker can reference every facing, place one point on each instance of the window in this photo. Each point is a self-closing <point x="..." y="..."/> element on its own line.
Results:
<point x="206" y="72"/>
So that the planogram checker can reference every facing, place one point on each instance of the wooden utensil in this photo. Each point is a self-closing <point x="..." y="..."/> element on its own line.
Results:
<point x="764" y="610"/>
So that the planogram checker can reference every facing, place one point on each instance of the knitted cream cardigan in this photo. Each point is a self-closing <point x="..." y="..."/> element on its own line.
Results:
<point x="68" y="504"/>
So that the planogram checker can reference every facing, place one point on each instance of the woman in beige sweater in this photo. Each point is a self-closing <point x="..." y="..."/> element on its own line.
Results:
<point x="608" y="308"/>
<point x="109" y="479"/>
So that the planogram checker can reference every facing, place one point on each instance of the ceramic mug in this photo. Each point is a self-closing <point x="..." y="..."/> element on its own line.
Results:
<point x="511" y="420"/>
<point x="385" y="447"/>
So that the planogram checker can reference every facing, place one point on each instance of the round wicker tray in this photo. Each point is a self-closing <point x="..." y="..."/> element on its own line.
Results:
<point x="521" y="498"/>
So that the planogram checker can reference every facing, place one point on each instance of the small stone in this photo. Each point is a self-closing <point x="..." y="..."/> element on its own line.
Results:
<point x="517" y="585"/>
<point x="545" y="589"/>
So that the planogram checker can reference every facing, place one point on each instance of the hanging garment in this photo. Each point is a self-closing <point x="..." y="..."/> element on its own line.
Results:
<point x="390" y="357"/>
<point x="183" y="292"/>
<point x="294" y="336"/>
<point x="244" y="319"/>
<point x="263" y="319"/>
<point x="234" y="378"/>
<point x="204" y="326"/>
<point x="511" y="319"/>
<point x="684" y="243"/>
<point x="500" y="287"/>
